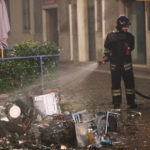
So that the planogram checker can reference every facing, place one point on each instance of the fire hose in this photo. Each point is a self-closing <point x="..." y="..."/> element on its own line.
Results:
<point x="142" y="95"/>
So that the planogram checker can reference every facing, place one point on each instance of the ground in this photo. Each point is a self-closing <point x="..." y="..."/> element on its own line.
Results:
<point x="87" y="86"/>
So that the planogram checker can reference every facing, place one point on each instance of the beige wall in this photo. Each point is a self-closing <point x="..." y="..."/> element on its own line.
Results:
<point x="111" y="14"/>
<point x="147" y="18"/>
<point x="82" y="25"/>
<point x="63" y="29"/>
<point x="74" y="31"/>
<point x="73" y="38"/>
<point x="98" y="29"/>
<point x="16" y="34"/>
<point x="37" y="12"/>
<point x="106" y="13"/>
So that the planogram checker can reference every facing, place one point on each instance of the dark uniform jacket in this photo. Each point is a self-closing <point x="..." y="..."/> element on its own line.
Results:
<point x="118" y="46"/>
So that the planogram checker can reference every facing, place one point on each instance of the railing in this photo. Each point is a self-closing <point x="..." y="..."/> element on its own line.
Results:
<point x="39" y="66"/>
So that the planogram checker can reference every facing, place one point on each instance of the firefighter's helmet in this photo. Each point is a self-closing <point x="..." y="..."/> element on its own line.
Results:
<point x="122" y="21"/>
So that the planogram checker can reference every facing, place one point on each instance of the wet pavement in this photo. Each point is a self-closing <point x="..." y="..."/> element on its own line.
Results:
<point x="88" y="86"/>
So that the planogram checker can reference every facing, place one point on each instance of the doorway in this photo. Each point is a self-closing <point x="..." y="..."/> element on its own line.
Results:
<point x="52" y="25"/>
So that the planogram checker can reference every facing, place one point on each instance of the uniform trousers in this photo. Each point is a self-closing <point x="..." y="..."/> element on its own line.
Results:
<point x="117" y="73"/>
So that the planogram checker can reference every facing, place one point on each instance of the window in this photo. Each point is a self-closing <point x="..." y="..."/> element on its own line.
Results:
<point x="26" y="15"/>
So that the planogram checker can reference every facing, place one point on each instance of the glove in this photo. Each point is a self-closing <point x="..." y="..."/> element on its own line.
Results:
<point x="105" y="59"/>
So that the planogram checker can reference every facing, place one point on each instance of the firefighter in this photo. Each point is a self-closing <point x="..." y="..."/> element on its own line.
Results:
<point x="118" y="47"/>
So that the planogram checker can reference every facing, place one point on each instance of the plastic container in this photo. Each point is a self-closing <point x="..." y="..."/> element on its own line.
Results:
<point x="82" y="134"/>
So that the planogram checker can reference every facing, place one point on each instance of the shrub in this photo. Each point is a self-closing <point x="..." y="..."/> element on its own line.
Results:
<point x="18" y="72"/>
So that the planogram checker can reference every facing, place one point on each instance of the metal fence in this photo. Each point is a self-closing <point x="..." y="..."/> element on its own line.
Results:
<point x="37" y="74"/>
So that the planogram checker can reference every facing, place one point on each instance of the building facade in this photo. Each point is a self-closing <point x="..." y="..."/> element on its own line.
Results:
<point x="80" y="27"/>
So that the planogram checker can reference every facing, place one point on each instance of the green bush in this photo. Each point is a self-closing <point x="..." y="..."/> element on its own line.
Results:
<point x="16" y="73"/>
<point x="31" y="48"/>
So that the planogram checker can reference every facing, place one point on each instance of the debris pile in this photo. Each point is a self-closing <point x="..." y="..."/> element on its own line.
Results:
<point x="41" y="125"/>
<point x="36" y="125"/>
<point x="93" y="133"/>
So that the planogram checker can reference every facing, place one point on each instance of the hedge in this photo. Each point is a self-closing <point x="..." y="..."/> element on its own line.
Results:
<point x="16" y="73"/>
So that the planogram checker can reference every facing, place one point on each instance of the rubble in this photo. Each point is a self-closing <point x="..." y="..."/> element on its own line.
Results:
<point x="59" y="133"/>
<point x="25" y="126"/>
